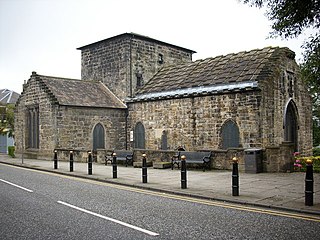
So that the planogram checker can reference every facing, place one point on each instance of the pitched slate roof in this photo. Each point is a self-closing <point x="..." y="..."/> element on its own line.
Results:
<point x="73" y="92"/>
<point x="8" y="96"/>
<point x="241" y="70"/>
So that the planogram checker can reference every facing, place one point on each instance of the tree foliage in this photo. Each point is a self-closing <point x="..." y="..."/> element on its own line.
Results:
<point x="289" y="19"/>
<point x="7" y="119"/>
<point x="310" y="70"/>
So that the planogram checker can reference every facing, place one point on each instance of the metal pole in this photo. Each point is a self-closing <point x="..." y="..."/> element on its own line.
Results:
<point x="114" y="165"/>
<point x="71" y="161"/>
<point x="235" y="177"/>
<point x="183" y="172"/>
<point x="309" y="184"/>
<point x="55" y="160"/>
<point x="144" y="169"/>
<point x="89" y="163"/>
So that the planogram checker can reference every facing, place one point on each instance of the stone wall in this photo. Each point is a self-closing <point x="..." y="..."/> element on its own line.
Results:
<point x="279" y="159"/>
<point x="195" y="123"/>
<point x="66" y="127"/>
<point x="119" y="61"/>
<point x="108" y="62"/>
<point x="34" y="96"/>
<point x="75" y="127"/>
<point x="285" y="85"/>
<point x="145" y="58"/>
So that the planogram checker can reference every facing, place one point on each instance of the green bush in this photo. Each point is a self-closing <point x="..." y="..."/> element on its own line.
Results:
<point x="316" y="151"/>
<point x="300" y="164"/>
<point x="11" y="151"/>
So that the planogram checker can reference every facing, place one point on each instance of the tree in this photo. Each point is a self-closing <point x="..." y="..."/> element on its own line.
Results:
<point x="290" y="18"/>
<point x="7" y="119"/>
<point x="310" y="70"/>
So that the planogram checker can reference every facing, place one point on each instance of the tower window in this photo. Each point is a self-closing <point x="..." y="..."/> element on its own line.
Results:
<point x="140" y="82"/>
<point x="160" y="58"/>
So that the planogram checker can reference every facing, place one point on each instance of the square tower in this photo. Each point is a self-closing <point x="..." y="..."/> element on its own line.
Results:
<point x="127" y="61"/>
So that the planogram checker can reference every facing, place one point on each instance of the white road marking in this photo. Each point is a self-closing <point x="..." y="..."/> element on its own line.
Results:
<point x="110" y="219"/>
<point x="23" y="188"/>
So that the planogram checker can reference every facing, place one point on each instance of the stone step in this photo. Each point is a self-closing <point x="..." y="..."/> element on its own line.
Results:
<point x="139" y="164"/>
<point x="161" y="165"/>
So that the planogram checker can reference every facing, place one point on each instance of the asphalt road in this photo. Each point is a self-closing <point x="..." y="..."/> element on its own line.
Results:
<point x="39" y="205"/>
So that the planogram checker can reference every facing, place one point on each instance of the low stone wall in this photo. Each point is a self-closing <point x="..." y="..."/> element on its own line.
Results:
<point x="274" y="158"/>
<point x="79" y="155"/>
<point x="222" y="159"/>
<point x="279" y="158"/>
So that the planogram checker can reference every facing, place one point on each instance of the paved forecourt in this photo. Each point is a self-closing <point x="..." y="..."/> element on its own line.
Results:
<point x="275" y="190"/>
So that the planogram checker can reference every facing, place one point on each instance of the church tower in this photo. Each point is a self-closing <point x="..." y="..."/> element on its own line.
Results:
<point x="127" y="61"/>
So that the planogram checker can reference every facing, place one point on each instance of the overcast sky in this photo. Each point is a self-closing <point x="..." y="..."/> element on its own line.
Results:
<point x="42" y="35"/>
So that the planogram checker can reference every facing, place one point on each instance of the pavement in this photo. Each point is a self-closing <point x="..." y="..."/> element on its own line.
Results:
<point x="281" y="191"/>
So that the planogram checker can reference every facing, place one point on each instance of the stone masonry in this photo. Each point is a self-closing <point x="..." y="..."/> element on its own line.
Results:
<point x="141" y="90"/>
<point x="127" y="61"/>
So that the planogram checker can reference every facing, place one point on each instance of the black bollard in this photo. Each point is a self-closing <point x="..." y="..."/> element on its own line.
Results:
<point x="114" y="165"/>
<point x="55" y="160"/>
<point x="89" y="163"/>
<point x="309" y="184"/>
<point x="71" y="161"/>
<point x="144" y="169"/>
<point x="183" y="172"/>
<point x="235" y="177"/>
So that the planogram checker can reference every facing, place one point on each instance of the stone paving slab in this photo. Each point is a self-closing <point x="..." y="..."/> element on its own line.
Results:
<point x="273" y="190"/>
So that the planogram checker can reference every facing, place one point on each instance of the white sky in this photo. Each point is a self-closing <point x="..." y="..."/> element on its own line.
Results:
<point x="42" y="35"/>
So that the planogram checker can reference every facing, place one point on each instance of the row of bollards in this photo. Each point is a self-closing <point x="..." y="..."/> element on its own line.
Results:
<point x="309" y="182"/>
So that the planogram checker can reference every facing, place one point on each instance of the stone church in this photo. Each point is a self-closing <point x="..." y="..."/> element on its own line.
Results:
<point x="140" y="93"/>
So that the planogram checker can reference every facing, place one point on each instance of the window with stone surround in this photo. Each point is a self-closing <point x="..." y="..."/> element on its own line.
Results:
<point x="139" y="136"/>
<point x="291" y="124"/>
<point x="230" y="135"/>
<point x="98" y="137"/>
<point x="290" y="77"/>
<point x="160" y="58"/>
<point x="140" y="82"/>
<point x="33" y="127"/>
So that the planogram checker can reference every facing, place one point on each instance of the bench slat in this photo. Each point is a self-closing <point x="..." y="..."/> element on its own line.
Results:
<point x="203" y="158"/>
<point x="122" y="155"/>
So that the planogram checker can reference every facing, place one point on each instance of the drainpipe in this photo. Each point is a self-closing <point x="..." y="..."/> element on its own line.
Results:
<point x="126" y="127"/>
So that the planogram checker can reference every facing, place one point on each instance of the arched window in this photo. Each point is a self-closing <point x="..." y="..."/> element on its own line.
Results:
<point x="98" y="137"/>
<point x="139" y="136"/>
<point x="291" y="124"/>
<point x="33" y="127"/>
<point x="230" y="135"/>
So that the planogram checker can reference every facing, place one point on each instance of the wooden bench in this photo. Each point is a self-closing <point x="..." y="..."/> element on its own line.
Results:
<point x="203" y="158"/>
<point x="125" y="156"/>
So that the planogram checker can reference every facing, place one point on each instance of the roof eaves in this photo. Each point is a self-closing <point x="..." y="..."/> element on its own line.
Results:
<point x="196" y="91"/>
